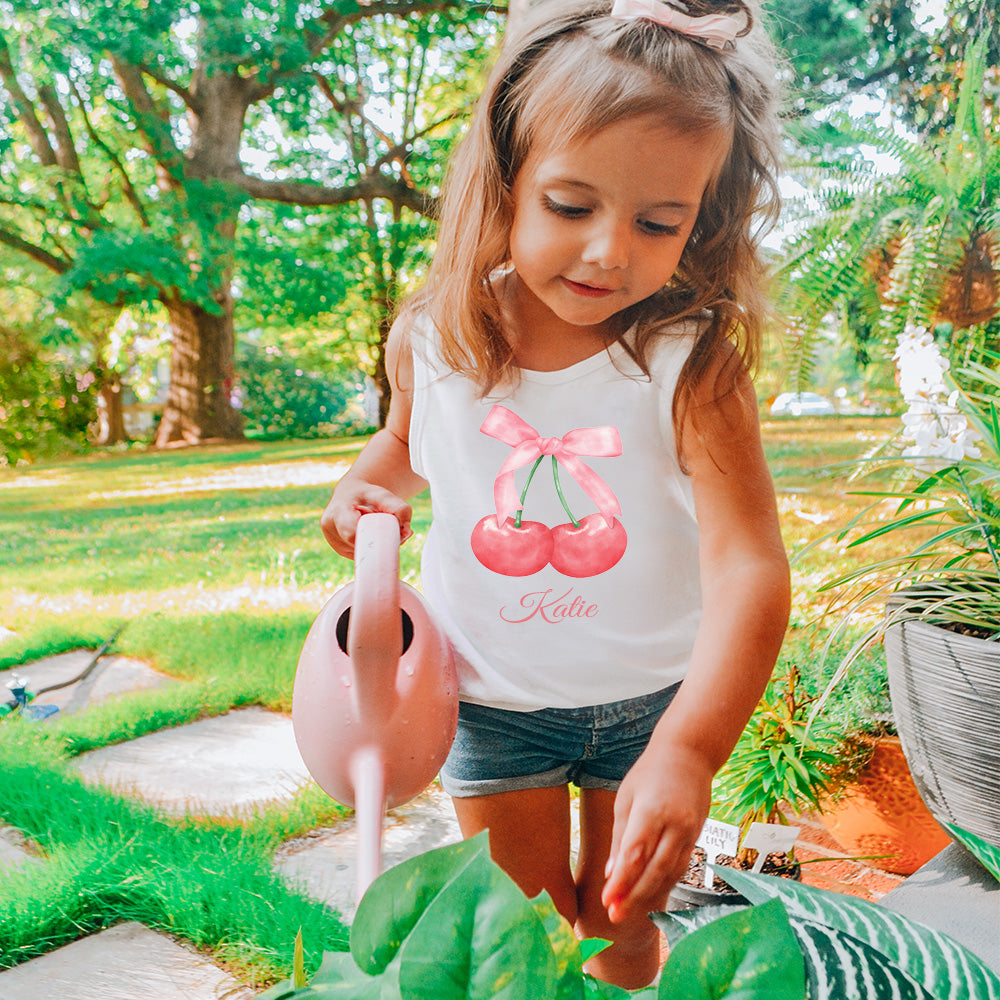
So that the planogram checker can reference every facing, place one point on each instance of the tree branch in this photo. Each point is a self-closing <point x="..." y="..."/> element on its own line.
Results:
<point x="305" y="193"/>
<point x="151" y="122"/>
<point x="401" y="148"/>
<point x="65" y="147"/>
<point x="183" y="93"/>
<point x="37" y="136"/>
<point x="37" y="253"/>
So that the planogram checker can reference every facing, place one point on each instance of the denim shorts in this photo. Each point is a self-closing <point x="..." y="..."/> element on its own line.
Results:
<point x="496" y="750"/>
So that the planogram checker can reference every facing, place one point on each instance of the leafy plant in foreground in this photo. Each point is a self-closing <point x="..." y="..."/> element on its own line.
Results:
<point x="450" y="924"/>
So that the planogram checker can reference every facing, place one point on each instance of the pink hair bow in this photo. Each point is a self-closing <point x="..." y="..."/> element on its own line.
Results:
<point x="716" y="30"/>
<point x="528" y="444"/>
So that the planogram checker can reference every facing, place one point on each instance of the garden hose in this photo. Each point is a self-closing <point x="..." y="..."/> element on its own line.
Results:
<point x="87" y="670"/>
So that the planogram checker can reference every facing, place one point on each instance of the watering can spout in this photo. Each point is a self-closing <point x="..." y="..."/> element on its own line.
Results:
<point x="375" y="628"/>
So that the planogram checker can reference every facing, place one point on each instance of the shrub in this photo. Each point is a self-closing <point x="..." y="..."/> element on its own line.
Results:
<point x="282" y="400"/>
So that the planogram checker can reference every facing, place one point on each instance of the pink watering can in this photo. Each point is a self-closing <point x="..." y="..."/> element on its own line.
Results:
<point x="375" y="701"/>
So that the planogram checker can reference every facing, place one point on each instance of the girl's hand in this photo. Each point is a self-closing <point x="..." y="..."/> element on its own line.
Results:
<point x="350" y="500"/>
<point x="660" y="809"/>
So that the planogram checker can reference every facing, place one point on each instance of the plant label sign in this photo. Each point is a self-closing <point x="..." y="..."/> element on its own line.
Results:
<point x="717" y="838"/>
<point x="769" y="838"/>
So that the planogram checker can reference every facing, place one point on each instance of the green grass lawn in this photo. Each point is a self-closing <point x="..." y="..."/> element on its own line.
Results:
<point x="213" y="562"/>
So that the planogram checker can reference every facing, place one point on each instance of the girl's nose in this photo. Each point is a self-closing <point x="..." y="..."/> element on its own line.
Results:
<point x="608" y="244"/>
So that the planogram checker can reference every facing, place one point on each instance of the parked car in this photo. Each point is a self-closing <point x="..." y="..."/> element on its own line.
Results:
<point x="801" y="404"/>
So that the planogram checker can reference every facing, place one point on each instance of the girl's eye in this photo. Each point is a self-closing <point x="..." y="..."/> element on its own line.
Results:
<point x="658" y="228"/>
<point x="566" y="211"/>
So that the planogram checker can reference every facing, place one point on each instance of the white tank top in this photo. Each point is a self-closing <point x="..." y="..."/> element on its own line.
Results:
<point x="599" y="613"/>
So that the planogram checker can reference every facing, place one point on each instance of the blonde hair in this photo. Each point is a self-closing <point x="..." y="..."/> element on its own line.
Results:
<point x="570" y="72"/>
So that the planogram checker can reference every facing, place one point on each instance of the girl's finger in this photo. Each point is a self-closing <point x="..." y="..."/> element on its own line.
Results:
<point x="651" y="889"/>
<point x="629" y="860"/>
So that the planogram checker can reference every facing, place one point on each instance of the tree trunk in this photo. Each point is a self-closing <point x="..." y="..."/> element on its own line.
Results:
<point x="199" y="406"/>
<point x="110" y="415"/>
<point x="381" y="376"/>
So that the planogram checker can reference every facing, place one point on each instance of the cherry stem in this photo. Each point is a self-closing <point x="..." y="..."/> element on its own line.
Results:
<point x="524" y="492"/>
<point x="562" y="498"/>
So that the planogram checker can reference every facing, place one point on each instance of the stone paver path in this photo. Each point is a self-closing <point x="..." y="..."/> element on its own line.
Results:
<point x="213" y="767"/>
<point x="324" y="862"/>
<point x="126" y="962"/>
<point x="12" y="852"/>
<point x="112" y="676"/>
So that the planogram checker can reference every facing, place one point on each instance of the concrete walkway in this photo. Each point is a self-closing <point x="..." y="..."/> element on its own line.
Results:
<point x="12" y="851"/>
<point x="213" y="767"/>
<point x="221" y="767"/>
<point x="126" y="962"/>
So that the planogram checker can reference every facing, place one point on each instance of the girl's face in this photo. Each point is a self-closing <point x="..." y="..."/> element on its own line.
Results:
<point x="600" y="224"/>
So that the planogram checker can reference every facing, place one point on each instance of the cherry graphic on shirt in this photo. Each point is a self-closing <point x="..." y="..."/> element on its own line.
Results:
<point x="516" y="547"/>
<point x="587" y="547"/>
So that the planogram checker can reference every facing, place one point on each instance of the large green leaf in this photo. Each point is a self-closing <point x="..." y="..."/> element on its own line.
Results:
<point x="398" y="898"/>
<point x="945" y="969"/>
<point x="988" y="855"/>
<point x="838" y="965"/>
<point x="565" y="946"/>
<point x="749" y="955"/>
<point x="338" y="978"/>
<point x="677" y="924"/>
<point x="479" y="938"/>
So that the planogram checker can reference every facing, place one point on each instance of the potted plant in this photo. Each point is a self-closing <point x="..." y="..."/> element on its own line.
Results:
<point x="942" y="591"/>
<point x="776" y="770"/>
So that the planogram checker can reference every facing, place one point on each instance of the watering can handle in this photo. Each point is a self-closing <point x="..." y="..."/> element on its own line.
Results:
<point x="375" y="631"/>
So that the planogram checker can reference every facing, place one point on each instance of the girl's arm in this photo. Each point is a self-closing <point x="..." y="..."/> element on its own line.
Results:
<point x="664" y="800"/>
<point x="381" y="478"/>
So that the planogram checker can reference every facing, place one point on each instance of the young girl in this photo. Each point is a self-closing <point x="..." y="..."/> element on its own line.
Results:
<point x="572" y="383"/>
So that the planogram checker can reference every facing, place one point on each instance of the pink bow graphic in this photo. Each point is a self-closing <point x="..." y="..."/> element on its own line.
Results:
<point x="528" y="444"/>
<point x="716" y="30"/>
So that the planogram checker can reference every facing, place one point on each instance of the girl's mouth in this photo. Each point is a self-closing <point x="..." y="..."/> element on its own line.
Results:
<point x="590" y="291"/>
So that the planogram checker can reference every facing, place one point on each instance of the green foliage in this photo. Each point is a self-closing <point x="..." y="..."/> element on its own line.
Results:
<point x="272" y="155"/>
<point x="281" y="400"/>
<point x="840" y="47"/>
<point x="987" y="854"/>
<point x="878" y="247"/>
<point x="793" y="941"/>
<point x="855" y="948"/>
<point x="450" y="924"/>
<point x="777" y="764"/>
<point x="45" y="407"/>
<point x="750" y="953"/>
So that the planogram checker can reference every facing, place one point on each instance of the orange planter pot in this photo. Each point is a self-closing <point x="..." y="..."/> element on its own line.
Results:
<point x="883" y="813"/>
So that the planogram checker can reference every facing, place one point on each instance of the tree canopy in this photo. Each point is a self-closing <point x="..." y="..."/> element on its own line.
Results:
<point x="190" y="153"/>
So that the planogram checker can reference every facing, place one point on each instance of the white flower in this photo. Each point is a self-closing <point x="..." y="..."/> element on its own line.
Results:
<point x="933" y="421"/>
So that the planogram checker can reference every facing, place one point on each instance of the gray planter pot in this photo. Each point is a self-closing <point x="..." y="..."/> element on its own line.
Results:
<point x="945" y="690"/>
